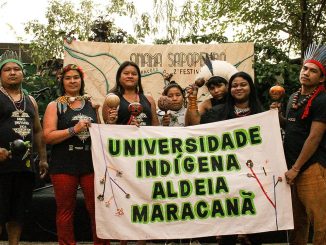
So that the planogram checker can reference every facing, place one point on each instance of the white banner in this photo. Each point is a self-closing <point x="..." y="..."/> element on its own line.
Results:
<point x="205" y="180"/>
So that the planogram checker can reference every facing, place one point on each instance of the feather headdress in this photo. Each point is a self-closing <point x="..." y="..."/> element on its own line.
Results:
<point x="10" y="56"/>
<point x="209" y="64"/>
<point x="316" y="53"/>
<point x="216" y="68"/>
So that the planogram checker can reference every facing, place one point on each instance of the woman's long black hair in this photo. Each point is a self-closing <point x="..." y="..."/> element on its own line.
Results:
<point x="254" y="104"/>
<point x="118" y="89"/>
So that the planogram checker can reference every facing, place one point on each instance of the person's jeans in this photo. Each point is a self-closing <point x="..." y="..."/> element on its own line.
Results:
<point x="309" y="206"/>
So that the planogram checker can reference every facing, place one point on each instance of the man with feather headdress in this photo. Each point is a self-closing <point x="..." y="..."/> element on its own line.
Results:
<point x="305" y="148"/>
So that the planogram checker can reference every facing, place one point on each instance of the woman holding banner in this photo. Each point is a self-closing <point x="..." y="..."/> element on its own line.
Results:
<point x="126" y="103"/>
<point x="65" y="126"/>
<point x="241" y="101"/>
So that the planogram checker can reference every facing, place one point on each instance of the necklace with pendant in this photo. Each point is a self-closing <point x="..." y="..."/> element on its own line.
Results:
<point x="68" y="100"/>
<point x="17" y="104"/>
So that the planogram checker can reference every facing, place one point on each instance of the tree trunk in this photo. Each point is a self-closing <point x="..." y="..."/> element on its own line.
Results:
<point x="304" y="31"/>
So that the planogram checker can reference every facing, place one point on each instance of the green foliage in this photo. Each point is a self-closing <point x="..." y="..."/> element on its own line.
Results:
<point x="272" y="66"/>
<point x="63" y="20"/>
<point x="67" y="20"/>
<point x="105" y="31"/>
<point x="35" y="82"/>
<point x="141" y="22"/>
<point x="211" y="37"/>
<point x="122" y="8"/>
<point x="283" y="23"/>
<point x="190" y="22"/>
<point x="143" y="26"/>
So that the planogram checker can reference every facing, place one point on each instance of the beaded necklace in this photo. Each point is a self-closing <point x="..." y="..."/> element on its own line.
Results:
<point x="296" y="104"/>
<point x="240" y="112"/>
<point x="17" y="104"/>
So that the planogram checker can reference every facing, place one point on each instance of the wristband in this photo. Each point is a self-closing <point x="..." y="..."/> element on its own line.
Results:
<point x="71" y="131"/>
<point x="295" y="169"/>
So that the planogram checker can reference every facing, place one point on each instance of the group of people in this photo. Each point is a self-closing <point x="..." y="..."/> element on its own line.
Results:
<point x="67" y="119"/>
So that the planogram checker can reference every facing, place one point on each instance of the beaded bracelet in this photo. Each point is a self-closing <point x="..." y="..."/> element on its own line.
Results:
<point x="71" y="131"/>
<point x="295" y="169"/>
<point x="192" y="100"/>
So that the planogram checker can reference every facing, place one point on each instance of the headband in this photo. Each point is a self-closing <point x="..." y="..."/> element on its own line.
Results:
<point x="2" y="63"/>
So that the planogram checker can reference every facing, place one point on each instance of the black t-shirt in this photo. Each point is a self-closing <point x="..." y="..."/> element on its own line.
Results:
<point x="215" y="102"/>
<point x="145" y="117"/>
<point x="215" y="114"/>
<point x="297" y="131"/>
<point x="16" y="124"/>
<point x="73" y="156"/>
<point x="218" y="113"/>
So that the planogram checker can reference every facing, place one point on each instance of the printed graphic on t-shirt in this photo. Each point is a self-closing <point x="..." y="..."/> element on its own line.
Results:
<point x="22" y="125"/>
<point x="83" y="135"/>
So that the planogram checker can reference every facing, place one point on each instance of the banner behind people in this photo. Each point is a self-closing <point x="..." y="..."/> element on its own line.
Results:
<point x="205" y="180"/>
<point x="100" y="62"/>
